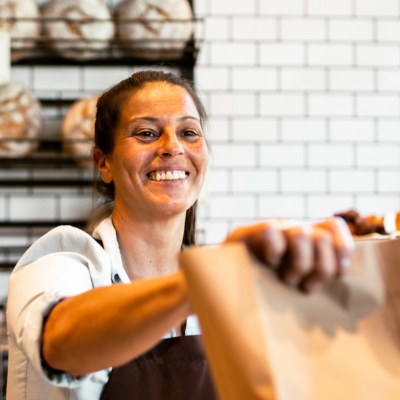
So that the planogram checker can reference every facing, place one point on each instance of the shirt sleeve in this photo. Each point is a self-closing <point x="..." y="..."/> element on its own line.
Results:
<point x="34" y="289"/>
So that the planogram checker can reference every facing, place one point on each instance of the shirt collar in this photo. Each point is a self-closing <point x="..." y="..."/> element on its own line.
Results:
<point x="106" y="232"/>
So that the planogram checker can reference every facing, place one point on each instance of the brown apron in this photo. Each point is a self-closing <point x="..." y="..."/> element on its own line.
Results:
<point x="175" y="369"/>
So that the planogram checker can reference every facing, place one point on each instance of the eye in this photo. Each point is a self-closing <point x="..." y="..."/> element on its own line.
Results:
<point x="145" y="135"/>
<point x="190" y="135"/>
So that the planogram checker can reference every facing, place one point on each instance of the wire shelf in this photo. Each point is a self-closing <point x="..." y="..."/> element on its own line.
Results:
<point x="42" y="49"/>
<point x="30" y="230"/>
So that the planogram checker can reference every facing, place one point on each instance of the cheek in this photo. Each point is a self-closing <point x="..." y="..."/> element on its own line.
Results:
<point x="201" y="157"/>
<point x="132" y="161"/>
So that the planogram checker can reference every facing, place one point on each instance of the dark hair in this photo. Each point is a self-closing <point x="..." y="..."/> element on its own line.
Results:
<point x="109" y="106"/>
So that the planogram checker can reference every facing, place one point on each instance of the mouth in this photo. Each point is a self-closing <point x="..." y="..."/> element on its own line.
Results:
<point x="159" y="176"/>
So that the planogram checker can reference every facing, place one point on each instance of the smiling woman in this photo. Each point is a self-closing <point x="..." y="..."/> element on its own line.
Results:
<point x="168" y="93"/>
<point x="147" y="152"/>
<point x="107" y="315"/>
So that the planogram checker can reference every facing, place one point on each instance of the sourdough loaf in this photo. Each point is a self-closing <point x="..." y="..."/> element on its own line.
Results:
<point x="82" y="29"/>
<point x="25" y="26"/>
<point x="154" y="29"/>
<point x="21" y="120"/>
<point x="78" y="130"/>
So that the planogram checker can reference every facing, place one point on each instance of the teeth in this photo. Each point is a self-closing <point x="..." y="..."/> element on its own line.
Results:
<point x="167" y="176"/>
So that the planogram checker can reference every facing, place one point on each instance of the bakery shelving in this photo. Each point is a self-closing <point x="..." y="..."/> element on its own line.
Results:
<point x="50" y="156"/>
<point x="25" y="233"/>
<point x="44" y="183"/>
<point x="47" y="170"/>
<point x="112" y="52"/>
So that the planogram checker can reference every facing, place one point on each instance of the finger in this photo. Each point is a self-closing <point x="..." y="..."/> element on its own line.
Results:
<point x="272" y="244"/>
<point x="300" y="256"/>
<point x="343" y="241"/>
<point x="265" y="240"/>
<point x="325" y="263"/>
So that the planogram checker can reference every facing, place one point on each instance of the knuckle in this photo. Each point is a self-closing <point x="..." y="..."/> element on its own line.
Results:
<point x="326" y="271"/>
<point x="301" y="266"/>
<point x="322" y="238"/>
<point x="299" y="235"/>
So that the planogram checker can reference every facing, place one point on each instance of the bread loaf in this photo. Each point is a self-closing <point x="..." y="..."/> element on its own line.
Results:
<point x="154" y="35"/>
<point x="21" y="119"/>
<point x="24" y="31"/>
<point x="78" y="130"/>
<point x="85" y="30"/>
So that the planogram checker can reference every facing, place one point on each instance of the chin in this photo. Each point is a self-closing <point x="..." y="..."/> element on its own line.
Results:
<point x="174" y="209"/>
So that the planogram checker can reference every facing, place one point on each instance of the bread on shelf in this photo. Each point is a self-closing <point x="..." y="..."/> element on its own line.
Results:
<point x="80" y="29"/>
<point x="154" y="29"/>
<point x="78" y="130"/>
<point x="21" y="120"/>
<point x="21" y="19"/>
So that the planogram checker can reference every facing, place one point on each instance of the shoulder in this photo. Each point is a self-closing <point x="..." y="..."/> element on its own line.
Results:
<point x="62" y="239"/>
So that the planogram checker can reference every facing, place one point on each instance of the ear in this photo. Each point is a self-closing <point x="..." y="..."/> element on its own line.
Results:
<point x="103" y="165"/>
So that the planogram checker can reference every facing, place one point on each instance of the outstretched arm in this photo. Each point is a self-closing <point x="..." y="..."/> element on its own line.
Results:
<point x="110" y="325"/>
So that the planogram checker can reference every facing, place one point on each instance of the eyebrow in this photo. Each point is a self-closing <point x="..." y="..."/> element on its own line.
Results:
<point x="154" y="119"/>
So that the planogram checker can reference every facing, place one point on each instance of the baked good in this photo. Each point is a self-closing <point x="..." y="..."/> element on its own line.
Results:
<point x="85" y="30"/>
<point x="78" y="130"/>
<point x="24" y="31"/>
<point x="21" y="120"/>
<point x="362" y="225"/>
<point x="151" y="36"/>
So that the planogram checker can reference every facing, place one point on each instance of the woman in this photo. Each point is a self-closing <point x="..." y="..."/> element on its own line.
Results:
<point x="71" y="321"/>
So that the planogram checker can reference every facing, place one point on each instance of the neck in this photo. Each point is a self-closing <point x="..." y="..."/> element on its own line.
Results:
<point x="149" y="248"/>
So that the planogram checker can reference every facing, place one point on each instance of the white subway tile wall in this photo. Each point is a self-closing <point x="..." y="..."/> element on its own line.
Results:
<point x="311" y="95"/>
<point x="387" y="179"/>
<point x="28" y="207"/>
<point x="326" y="204"/>
<point x="304" y="105"/>
<point x="282" y="205"/>
<point x="347" y="180"/>
<point x="75" y="207"/>
<point x="383" y="8"/>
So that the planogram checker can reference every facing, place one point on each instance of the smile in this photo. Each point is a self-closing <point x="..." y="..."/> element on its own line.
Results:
<point x="167" y="175"/>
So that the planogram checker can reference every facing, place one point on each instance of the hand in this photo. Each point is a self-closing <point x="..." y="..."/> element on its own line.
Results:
<point x="306" y="256"/>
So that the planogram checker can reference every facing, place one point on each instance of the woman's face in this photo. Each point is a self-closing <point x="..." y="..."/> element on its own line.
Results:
<point x="160" y="154"/>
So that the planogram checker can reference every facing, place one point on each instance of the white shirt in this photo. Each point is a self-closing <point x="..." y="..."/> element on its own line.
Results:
<point x="64" y="262"/>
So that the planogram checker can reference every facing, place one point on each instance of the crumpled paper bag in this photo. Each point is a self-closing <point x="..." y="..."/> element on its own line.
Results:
<point x="265" y="340"/>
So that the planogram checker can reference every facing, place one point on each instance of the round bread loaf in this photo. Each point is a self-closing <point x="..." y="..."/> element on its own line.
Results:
<point x="78" y="130"/>
<point x="85" y="30"/>
<point x="21" y="119"/>
<point x="161" y="31"/>
<point x="24" y="31"/>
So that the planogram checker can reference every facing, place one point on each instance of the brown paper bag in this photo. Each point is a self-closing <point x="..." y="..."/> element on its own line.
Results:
<point x="265" y="340"/>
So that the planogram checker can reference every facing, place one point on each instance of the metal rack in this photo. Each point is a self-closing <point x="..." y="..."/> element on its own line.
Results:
<point x="49" y="155"/>
<point x="113" y="52"/>
<point x="31" y="230"/>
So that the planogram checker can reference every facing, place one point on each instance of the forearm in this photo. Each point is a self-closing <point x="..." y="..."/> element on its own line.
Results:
<point x="110" y="325"/>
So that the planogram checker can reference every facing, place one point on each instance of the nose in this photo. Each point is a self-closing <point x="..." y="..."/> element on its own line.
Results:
<point x="170" y="145"/>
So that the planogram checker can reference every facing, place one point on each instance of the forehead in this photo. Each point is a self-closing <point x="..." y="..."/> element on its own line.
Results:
<point x="159" y="99"/>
